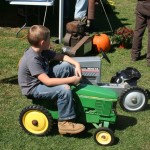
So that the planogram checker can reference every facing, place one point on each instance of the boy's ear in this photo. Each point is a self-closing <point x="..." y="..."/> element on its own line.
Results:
<point x="42" y="42"/>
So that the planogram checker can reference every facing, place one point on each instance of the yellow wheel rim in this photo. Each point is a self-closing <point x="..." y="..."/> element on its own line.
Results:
<point x="103" y="137"/>
<point x="35" y="122"/>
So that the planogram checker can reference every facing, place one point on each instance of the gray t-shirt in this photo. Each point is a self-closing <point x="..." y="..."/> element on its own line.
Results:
<point x="33" y="64"/>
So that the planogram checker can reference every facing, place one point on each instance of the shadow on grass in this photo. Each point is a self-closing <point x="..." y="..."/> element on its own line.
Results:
<point x="147" y="107"/>
<point x="124" y="122"/>
<point x="142" y="56"/>
<point x="10" y="80"/>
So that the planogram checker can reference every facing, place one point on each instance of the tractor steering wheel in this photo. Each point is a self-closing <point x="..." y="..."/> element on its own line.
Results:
<point x="105" y="56"/>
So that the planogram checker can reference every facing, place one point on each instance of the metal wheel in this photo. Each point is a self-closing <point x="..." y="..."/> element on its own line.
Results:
<point x="35" y="120"/>
<point x="133" y="99"/>
<point x="104" y="136"/>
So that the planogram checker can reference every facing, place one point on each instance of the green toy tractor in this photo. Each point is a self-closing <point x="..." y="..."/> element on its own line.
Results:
<point x="93" y="104"/>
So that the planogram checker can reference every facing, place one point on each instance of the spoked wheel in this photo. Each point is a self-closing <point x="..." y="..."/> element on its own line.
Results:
<point x="133" y="99"/>
<point x="35" y="120"/>
<point x="104" y="136"/>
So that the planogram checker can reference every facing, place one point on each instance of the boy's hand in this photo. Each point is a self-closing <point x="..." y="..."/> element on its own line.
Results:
<point x="76" y="80"/>
<point x="78" y="71"/>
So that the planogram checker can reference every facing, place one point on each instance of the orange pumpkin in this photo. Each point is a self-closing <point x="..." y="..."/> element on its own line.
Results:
<point x="101" y="41"/>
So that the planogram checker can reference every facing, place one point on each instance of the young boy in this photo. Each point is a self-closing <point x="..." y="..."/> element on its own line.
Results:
<point x="39" y="79"/>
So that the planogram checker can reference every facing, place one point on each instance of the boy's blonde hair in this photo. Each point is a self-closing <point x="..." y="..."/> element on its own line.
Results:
<point x="37" y="33"/>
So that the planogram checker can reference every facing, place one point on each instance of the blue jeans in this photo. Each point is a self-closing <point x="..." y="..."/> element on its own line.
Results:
<point x="80" y="9"/>
<point x="62" y="93"/>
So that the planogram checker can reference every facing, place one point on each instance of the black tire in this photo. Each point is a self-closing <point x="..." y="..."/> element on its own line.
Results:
<point x="133" y="99"/>
<point x="104" y="136"/>
<point x="35" y="120"/>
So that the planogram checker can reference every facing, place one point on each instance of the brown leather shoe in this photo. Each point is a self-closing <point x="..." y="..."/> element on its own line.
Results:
<point x="70" y="127"/>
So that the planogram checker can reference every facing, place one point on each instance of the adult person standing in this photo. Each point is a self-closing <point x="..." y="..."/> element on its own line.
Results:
<point x="142" y="21"/>
<point x="80" y="9"/>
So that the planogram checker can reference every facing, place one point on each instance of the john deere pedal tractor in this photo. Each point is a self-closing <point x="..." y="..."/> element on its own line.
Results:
<point x="93" y="104"/>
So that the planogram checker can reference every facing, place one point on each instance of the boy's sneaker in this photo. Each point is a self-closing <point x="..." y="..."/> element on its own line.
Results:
<point x="70" y="127"/>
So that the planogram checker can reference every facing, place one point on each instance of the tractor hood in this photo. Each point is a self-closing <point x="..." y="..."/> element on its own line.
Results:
<point x="95" y="91"/>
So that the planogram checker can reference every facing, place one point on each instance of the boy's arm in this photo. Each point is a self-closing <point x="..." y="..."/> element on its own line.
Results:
<point x="62" y="57"/>
<point x="45" y="79"/>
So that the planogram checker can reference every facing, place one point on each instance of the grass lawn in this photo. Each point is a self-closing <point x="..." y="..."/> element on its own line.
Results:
<point x="131" y="130"/>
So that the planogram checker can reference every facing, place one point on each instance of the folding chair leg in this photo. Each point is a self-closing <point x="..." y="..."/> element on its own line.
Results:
<point x="20" y="30"/>
<point x="24" y="26"/>
<point x="45" y="16"/>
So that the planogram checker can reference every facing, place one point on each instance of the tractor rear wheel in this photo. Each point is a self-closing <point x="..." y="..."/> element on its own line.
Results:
<point x="35" y="120"/>
<point x="133" y="99"/>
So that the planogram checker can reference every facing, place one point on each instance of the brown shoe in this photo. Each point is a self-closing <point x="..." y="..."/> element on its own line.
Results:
<point x="70" y="127"/>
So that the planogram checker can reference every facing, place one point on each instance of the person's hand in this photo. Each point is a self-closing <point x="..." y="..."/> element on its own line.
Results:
<point x="78" y="70"/>
<point x="76" y="80"/>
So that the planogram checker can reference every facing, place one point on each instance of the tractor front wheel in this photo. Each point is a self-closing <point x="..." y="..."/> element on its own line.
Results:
<point x="104" y="136"/>
<point x="35" y="120"/>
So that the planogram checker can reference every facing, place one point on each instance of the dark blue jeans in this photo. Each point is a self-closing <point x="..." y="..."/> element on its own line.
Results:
<point x="62" y="93"/>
